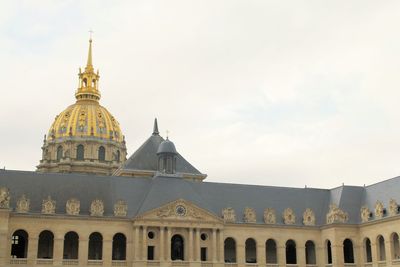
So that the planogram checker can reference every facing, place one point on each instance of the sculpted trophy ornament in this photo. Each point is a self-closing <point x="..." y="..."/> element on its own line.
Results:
<point x="393" y="207"/>
<point x="4" y="198"/>
<point x="97" y="208"/>
<point x="269" y="216"/>
<point x="73" y="206"/>
<point x="308" y="217"/>
<point x="288" y="216"/>
<point x="48" y="206"/>
<point x="229" y="215"/>
<point x="378" y="210"/>
<point x="23" y="204"/>
<point x="365" y="214"/>
<point x="336" y="215"/>
<point x="249" y="215"/>
<point x="120" y="208"/>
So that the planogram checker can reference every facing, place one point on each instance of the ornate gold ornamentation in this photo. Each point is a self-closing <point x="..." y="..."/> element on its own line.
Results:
<point x="23" y="204"/>
<point x="97" y="208"/>
<point x="393" y="207"/>
<point x="336" y="215"/>
<point x="378" y="210"/>
<point x="288" y="216"/>
<point x="4" y="198"/>
<point x="249" y="215"/>
<point x="48" y="206"/>
<point x="229" y="215"/>
<point x="308" y="217"/>
<point x="269" y="216"/>
<point x="73" y="206"/>
<point x="120" y="208"/>
<point x="365" y="214"/>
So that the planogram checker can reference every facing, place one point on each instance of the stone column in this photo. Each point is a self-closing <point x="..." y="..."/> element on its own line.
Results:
<point x="197" y="245"/>
<point x="58" y="251"/>
<point x="221" y="255"/>
<point x="107" y="252"/>
<point x="83" y="251"/>
<point x="281" y="255"/>
<point x="240" y="254"/>
<point x="388" y="252"/>
<point x="301" y="255"/>
<point x="214" y="245"/>
<point x="129" y="252"/>
<point x="162" y="245"/>
<point x="374" y="254"/>
<point x="261" y="260"/>
<point x="190" y="245"/>
<point x="136" y="246"/>
<point x="33" y="243"/>
<point x="5" y="239"/>
<point x="144" y="243"/>
<point x="168" y="244"/>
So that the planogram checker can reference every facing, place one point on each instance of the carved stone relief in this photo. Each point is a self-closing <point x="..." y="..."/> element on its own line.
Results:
<point x="393" y="207"/>
<point x="378" y="210"/>
<point x="336" y="215"/>
<point x="4" y="198"/>
<point x="73" y="206"/>
<point x="308" y="217"/>
<point x="365" y="214"/>
<point x="269" y="216"/>
<point x="179" y="210"/>
<point x="120" y="208"/>
<point x="23" y="204"/>
<point x="229" y="215"/>
<point x="97" y="208"/>
<point x="48" y="206"/>
<point x="249" y="215"/>
<point x="288" y="216"/>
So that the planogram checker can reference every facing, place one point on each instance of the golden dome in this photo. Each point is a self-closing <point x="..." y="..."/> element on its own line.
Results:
<point x="86" y="119"/>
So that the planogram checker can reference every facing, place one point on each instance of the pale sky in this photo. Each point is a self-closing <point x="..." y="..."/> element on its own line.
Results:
<point x="287" y="93"/>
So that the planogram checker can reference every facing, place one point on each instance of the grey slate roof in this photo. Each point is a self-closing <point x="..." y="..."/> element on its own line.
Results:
<point x="143" y="194"/>
<point x="145" y="158"/>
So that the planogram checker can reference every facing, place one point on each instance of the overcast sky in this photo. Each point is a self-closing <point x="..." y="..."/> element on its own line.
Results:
<point x="287" y="93"/>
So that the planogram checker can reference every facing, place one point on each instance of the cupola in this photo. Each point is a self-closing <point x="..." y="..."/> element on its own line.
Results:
<point x="167" y="157"/>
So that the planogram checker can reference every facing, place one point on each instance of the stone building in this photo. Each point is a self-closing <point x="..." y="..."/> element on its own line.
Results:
<point x="95" y="209"/>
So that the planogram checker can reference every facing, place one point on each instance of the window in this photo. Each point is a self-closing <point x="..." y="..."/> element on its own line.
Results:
<point x="348" y="251"/>
<point x="80" y="152"/>
<point x="230" y="250"/>
<point x="310" y="253"/>
<point x="150" y="253"/>
<point x="203" y="253"/>
<point x="45" y="245"/>
<point x="59" y="152"/>
<point x="95" y="246"/>
<point x="119" y="247"/>
<point x="251" y="253"/>
<point x="270" y="251"/>
<point x="19" y="244"/>
<point x="71" y="246"/>
<point x="177" y="248"/>
<point x="102" y="153"/>
<point x="291" y="257"/>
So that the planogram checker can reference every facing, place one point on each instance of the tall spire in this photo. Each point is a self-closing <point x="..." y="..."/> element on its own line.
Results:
<point x="155" y="128"/>
<point x="89" y="65"/>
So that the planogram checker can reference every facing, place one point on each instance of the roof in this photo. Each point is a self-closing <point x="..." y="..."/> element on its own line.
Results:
<point x="144" y="194"/>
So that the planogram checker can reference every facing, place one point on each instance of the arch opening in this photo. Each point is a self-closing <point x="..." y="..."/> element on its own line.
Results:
<point x="348" y="251"/>
<point x="251" y="251"/>
<point x="291" y="257"/>
<point x="368" y="251"/>
<point x="119" y="247"/>
<point x="102" y="153"/>
<point x="59" y="152"/>
<point x="381" y="248"/>
<point x="310" y="253"/>
<point x="80" y="152"/>
<point x="177" y="248"/>
<point x="45" y="245"/>
<point x="19" y="244"/>
<point x="328" y="252"/>
<point x="270" y="251"/>
<point x="95" y="246"/>
<point x="230" y="250"/>
<point x="71" y="246"/>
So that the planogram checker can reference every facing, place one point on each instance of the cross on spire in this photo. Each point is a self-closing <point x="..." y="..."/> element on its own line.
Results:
<point x="90" y="34"/>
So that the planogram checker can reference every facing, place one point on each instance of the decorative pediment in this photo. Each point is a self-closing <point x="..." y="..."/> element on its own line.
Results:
<point x="120" y="208"/>
<point x="393" y="207"/>
<point x="365" y="214"/>
<point x="180" y="210"/>
<point x="48" y="206"/>
<point x="378" y="210"/>
<point x="269" y="216"/>
<point x="97" y="208"/>
<point x="309" y="217"/>
<point x="288" y="216"/>
<point x="249" y="215"/>
<point x="336" y="215"/>
<point x="4" y="198"/>
<point x="229" y="215"/>
<point x="23" y="204"/>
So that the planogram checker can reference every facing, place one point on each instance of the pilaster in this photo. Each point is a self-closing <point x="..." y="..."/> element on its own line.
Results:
<point x="5" y="244"/>
<point x="301" y="256"/>
<point x="83" y="251"/>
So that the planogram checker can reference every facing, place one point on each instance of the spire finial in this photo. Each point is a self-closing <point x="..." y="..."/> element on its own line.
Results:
<point x="155" y="127"/>
<point x="167" y="135"/>
<point x="89" y="60"/>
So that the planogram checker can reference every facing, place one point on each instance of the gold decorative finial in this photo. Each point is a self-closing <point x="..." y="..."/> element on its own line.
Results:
<point x="90" y="34"/>
<point x="89" y="65"/>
